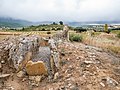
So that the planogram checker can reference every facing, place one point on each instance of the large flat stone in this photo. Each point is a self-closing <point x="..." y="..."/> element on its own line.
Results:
<point x="36" y="68"/>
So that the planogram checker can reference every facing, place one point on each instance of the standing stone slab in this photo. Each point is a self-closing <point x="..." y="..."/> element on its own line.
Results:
<point x="36" y="68"/>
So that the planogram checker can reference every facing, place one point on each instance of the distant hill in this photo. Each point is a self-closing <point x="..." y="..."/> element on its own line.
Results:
<point x="16" y="23"/>
<point x="92" y="23"/>
<point x="13" y="23"/>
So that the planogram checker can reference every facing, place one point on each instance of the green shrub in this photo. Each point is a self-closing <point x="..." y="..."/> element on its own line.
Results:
<point x="48" y="32"/>
<point x="118" y="35"/>
<point x="59" y="28"/>
<point x="53" y="28"/>
<point x="80" y="29"/>
<point x="43" y="29"/>
<point x="75" y="37"/>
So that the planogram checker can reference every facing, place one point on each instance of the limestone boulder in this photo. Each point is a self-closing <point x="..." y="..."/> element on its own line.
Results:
<point x="36" y="68"/>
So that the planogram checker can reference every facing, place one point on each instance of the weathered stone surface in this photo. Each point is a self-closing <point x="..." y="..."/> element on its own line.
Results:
<point x="62" y="35"/>
<point x="22" y="45"/>
<point x="27" y="58"/>
<point x="43" y="55"/>
<point x="4" y="75"/>
<point x="38" y="78"/>
<point x="52" y="44"/>
<point x="14" y="48"/>
<point x="36" y="68"/>
<point x="2" y="62"/>
<point x="44" y="42"/>
<point x="56" y="76"/>
<point x="0" y="65"/>
<point x="111" y="81"/>
<point x="35" y="78"/>
<point x="20" y="74"/>
<point x="55" y="56"/>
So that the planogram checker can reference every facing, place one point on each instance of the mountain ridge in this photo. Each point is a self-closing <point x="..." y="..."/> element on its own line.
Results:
<point x="15" y="23"/>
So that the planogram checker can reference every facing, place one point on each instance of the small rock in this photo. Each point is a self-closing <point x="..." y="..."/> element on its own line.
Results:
<point x="32" y="78"/>
<point x="0" y="65"/>
<point x="38" y="78"/>
<point x="11" y="88"/>
<point x="102" y="84"/>
<point x="24" y="79"/>
<point x="74" y="88"/>
<point x="86" y="47"/>
<point x="2" y="62"/>
<point x="4" y="75"/>
<point x="56" y="76"/>
<point x="20" y="74"/>
<point x="88" y="62"/>
<point x="68" y="59"/>
<point x="111" y="82"/>
<point x="35" y="78"/>
<point x="77" y="58"/>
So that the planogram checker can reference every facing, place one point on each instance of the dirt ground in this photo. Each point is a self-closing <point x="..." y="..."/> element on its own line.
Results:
<point x="82" y="67"/>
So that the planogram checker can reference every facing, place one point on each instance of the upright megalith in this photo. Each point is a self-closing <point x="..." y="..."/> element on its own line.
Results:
<point x="36" y="68"/>
<point x="66" y="32"/>
<point x="22" y="45"/>
<point x="62" y="35"/>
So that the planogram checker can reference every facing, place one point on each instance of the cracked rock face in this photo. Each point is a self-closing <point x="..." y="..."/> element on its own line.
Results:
<point x="21" y="46"/>
<point x="31" y="53"/>
<point x="36" y="68"/>
<point x="14" y="49"/>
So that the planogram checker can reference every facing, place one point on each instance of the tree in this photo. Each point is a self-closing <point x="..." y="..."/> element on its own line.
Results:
<point x="54" y="23"/>
<point x="23" y="29"/>
<point x="61" y="23"/>
<point x="80" y="29"/>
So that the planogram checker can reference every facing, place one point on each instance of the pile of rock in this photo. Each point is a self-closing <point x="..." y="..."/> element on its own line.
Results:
<point x="31" y="55"/>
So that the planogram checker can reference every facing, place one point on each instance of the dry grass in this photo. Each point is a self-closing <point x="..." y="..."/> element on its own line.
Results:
<point x="4" y="36"/>
<point x="102" y="40"/>
<point x="98" y="39"/>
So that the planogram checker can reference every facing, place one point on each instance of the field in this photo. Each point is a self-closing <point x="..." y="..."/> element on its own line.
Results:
<point x="109" y="42"/>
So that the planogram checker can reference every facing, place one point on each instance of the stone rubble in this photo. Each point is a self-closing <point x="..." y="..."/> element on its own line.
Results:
<point x="20" y="74"/>
<point x="29" y="55"/>
<point x="47" y="66"/>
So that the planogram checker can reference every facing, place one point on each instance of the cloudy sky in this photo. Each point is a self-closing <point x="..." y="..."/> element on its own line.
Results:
<point x="65" y="10"/>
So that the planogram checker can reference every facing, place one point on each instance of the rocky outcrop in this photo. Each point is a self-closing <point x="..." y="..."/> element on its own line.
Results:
<point x="30" y="53"/>
<point x="21" y="46"/>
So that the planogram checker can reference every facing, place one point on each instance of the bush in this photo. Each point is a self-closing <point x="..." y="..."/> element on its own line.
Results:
<point x="48" y="32"/>
<point x="43" y="29"/>
<point x="53" y="28"/>
<point x="75" y="37"/>
<point x="59" y="28"/>
<point x="79" y="29"/>
<point x="61" y="23"/>
<point x="118" y="35"/>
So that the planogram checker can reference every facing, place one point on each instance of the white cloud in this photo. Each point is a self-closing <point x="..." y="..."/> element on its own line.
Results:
<point x="66" y="10"/>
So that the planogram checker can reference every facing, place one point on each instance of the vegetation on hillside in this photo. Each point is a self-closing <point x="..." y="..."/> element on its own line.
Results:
<point x="13" y="23"/>
<point x="75" y="37"/>
<point x="118" y="35"/>
<point x="79" y="29"/>
<point x="44" y="27"/>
